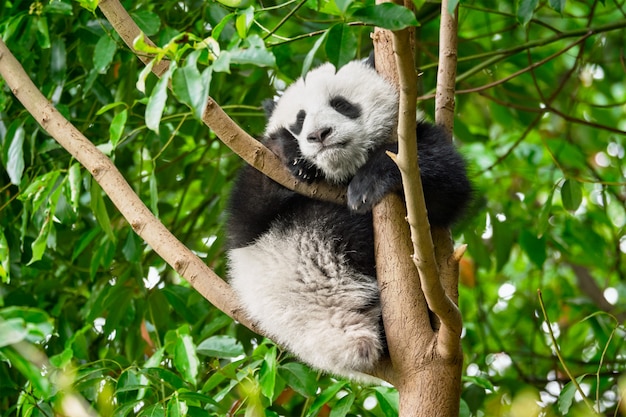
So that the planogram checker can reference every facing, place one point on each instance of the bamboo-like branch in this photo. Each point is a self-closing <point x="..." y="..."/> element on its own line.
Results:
<point x="143" y="222"/>
<point x="251" y="150"/>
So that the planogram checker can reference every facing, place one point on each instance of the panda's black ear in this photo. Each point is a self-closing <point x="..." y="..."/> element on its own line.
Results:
<point x="370" y="60"/>
<point x="268" y="106"/>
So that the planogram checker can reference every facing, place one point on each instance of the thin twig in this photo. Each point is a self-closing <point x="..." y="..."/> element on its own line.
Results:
<point x="558" y="354"/>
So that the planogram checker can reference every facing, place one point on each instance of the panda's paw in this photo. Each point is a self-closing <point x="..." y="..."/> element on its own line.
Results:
<point x="364" y="192"/>
<point x="303" y="170"/>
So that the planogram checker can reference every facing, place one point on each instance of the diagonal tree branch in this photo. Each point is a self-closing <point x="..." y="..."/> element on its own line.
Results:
<point x="143" y="222"/>
<point x="250" y="149"/>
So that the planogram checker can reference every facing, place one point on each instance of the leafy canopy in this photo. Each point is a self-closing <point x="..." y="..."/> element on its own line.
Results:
<point x="540" y="115"/>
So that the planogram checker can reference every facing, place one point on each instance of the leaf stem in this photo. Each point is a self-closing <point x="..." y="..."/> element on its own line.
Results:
<point x="558" y="354"/>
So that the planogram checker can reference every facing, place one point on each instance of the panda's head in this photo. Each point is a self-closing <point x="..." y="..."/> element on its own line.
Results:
<point x="337" y="117"/>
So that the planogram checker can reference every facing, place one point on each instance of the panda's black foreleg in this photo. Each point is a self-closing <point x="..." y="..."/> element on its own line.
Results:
<point x="444" y="179"/>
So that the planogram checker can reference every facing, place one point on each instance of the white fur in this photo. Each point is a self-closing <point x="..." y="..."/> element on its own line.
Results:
<point x="358" y="83"/>
<point x="306" y="298"/>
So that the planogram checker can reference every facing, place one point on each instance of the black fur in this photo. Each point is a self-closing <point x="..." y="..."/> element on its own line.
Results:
<point x="258" y="201"/>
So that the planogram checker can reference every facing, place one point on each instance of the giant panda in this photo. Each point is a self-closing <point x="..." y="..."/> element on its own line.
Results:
<point x="304" y="269"/>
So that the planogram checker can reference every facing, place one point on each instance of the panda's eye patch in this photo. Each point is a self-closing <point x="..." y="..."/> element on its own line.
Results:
<point x="296" y="128"/>
<point x="343" y="106"/>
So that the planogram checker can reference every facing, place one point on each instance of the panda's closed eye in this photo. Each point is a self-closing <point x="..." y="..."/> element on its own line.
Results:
<point x="343" y="106"/>
<point x="296" y="128"/>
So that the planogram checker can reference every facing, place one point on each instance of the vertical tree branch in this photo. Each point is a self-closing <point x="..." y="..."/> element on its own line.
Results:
<point x="426" y="358"/>
<point x="446" y="72"/>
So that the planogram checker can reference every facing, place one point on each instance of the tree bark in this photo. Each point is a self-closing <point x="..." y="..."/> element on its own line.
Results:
<point x="417" y="275"/>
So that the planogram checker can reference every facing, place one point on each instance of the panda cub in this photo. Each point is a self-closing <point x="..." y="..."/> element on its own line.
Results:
<point x="304" y="269"/>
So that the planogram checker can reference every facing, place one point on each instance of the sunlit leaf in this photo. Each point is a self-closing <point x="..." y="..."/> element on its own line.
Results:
<point x="267" y="374"/>
<point x="15" y="155"/>
<point x="386" y="15"/>
<point x="156" y="102"/>
<point x="221" y="347"/>
<point x="244" y="21"/>
<point x="116" y="129"/>
<point x="341" y="44"/>
<point x="253" y="52"/>
<point x="5" y="259"/>
<point x="191" y="86"/>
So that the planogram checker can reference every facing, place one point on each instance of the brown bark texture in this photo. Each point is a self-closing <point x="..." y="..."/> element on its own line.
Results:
<point x="417" y="272"/>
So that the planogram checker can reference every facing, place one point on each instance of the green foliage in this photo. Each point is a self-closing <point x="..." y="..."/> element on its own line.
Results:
<point x="83" y="297"/>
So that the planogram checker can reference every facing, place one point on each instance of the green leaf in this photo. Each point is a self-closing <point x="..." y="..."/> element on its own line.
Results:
<point x="525" y="10"/>
<point x="156" y="102"/>
<point x="308" y="59"/>
<point x="388" y="400"/>
<point x="74" y="180"/>
<point x="39" y="190"/>
<point x="325" y="396"/>
<point x="39" y="245"/>
<point x="12" y="331"/>
<point x="148" y="22"/>
<point x="571" y="194"/>
<point x="24" y="324"/>
<point x="58" y="59"/>
<point x="267" y="374"/>
<point x="15" y="155"/>
<point x="386" y="15"/>
<point x="502" y="241"/>
<point x="84" y="241"/>
<point x="544" y="214"/>
<point x="90" y="5"/>
<point x="132" y="250"/>
<point x="143" y="74"/>
<point x="341" y="45"/>
<point x="299" y="377"/>
<point x="154" y="194"/>
<point x="47" y="229"/>
<point x="558" y="5"/>
<point x="252" y="52"/>
<point x="99" y="209"/>
<point x="234" y="3"/>
<point x="191" y="86"/>
<point x="534" y="247"/>
<point x="244" y="21"/>
<point x="176" y="408"/>
<point x="220" y="347"/>
<point x="5" y="259"/>
<point x="179" y="344"/>
<point x="42" y="35"/>
<point x="31" y="372"/>
<point x="343" y="5"/>
<point x="103" y="53"/>
<point x="116" y="129"/>
<point x="566" y="397"/>
<point x="342" y="407"/>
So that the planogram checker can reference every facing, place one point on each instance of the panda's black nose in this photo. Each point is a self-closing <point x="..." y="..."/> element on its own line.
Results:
<point x="319" y="135"/>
